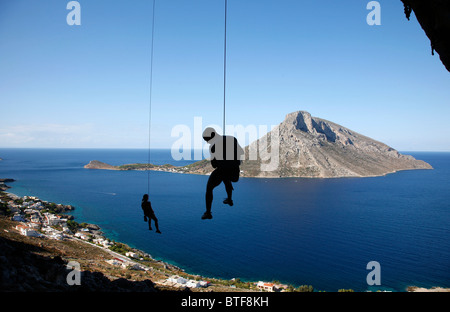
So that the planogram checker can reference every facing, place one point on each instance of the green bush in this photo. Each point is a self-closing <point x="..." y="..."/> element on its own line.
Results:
<point x="346" y="290"/>
<point x="305" y="288"/>
<point x="4" y="209"/>
<point x="73" y="226"/>
<point x="120" y="248"/>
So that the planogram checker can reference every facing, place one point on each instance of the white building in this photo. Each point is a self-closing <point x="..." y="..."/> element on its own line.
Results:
<point x="30" y="197"/>
<point x="81" y="236"/>
<point x="35" y="225"/>
<point x="66" y="229"/>
<point x="102" y="241"/>
<point x="37" y="206"/>
<point x="193" y="284"/>
<point x="51" y="219"/>
<point x="132" y="255"/>
<point x="34" y="218"/>
<point x="177" y="279"/>
<point x="26" y="231"/>
<point x="204" y="283"/>
<point x="266" y="286"/>
<point x="57" y="236"/>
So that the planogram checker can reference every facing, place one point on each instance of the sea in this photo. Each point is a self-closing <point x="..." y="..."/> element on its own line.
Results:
<point x="297" y="231"/>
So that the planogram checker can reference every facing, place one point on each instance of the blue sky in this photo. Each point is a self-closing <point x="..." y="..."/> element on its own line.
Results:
<point x="88" y="85"/>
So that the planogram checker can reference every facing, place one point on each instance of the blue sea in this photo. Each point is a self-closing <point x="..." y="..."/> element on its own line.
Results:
<point x="319" y="232"/>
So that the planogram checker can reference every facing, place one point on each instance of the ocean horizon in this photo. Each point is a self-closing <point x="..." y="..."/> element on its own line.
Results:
<point x="298" y="231"/>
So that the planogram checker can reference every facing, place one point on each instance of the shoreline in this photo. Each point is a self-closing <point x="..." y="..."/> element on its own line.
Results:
<point x="138" y="257"/>
<point x="423" y="289"/>
<point x="168" y="168"/>
<point x="176" y="270"/>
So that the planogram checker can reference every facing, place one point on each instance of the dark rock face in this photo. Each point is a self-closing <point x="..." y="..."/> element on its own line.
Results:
<point x="434" y="18"/>
<point x="23" y="269"/>
<point x="3" y="186"/>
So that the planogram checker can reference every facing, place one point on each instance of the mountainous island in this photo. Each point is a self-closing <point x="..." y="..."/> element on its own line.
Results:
<point x="307" y="147"/>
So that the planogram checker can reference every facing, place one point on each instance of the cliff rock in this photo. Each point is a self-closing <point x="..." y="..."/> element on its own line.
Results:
<point x="304" y="146"/>
<point x="95" y="164"/>
<point x="434" y="18"/>
<point x="314" y="147"/>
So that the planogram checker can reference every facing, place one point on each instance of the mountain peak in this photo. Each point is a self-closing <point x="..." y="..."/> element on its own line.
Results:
<point x="320" y="128"/>
<point x="315" y="147"/>
<point x="301" y="120"/>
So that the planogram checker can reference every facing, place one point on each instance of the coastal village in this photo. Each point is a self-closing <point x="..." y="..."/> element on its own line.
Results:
<point x="44" y="221"/>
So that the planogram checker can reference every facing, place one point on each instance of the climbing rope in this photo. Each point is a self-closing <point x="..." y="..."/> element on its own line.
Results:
<point x="151" y="84"/>
<point x="224" y="67"/>
<point x="150" y="100"/>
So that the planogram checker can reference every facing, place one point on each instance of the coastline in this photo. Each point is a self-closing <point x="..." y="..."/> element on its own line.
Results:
<point x="130" y="258"/>
<point x="201" y="170"/>
<point x="168" y="270"/>
<point x="432" y="289"/>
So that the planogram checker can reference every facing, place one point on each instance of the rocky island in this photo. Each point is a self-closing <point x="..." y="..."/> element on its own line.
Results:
<point x="317" y="148"/>
<point x="308" y="147"/>
<point x="3" y="186"/>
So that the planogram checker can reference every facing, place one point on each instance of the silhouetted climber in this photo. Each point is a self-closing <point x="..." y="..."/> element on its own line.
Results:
<point x="149" y="213"/>
<point x="226" y="156"/>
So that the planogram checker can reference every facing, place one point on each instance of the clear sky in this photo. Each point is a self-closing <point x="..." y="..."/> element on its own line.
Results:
<point x="88" y="85"/>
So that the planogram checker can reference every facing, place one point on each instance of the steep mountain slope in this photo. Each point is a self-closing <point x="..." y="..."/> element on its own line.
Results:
<point x="314" y="147"/>
<point x="304" y="146"/>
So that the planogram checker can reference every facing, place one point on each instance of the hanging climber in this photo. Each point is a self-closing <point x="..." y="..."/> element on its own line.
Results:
<point x="149" y="213"/>
<point x="226" y="157"/>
